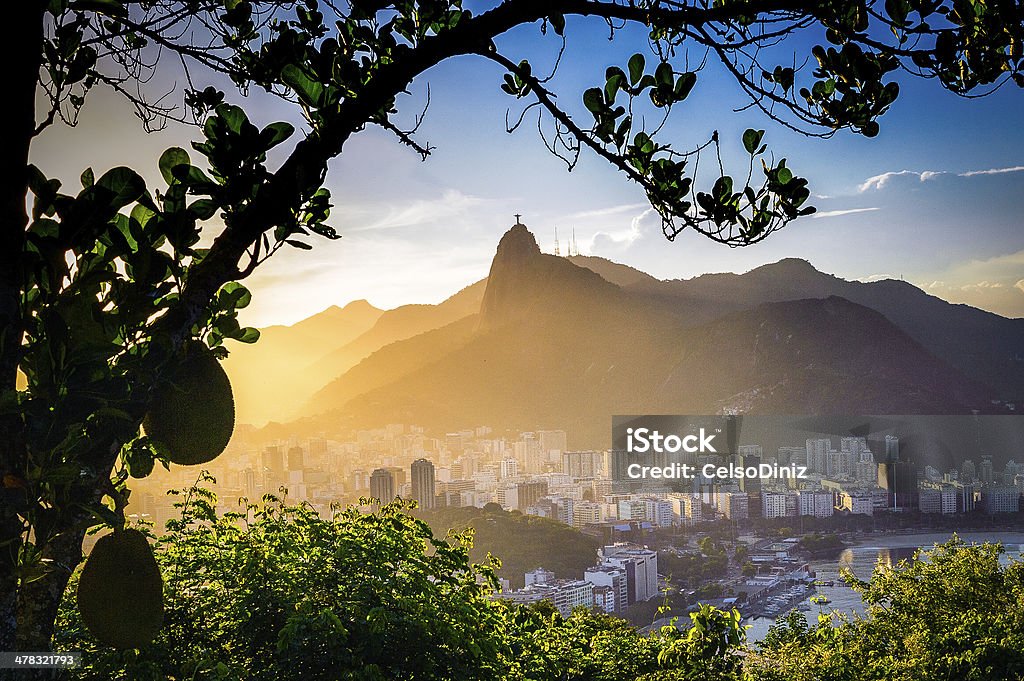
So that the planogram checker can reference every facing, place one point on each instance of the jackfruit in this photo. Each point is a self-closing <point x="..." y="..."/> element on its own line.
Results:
<point x="193" y="414"/>
<point x="120" y="591"/>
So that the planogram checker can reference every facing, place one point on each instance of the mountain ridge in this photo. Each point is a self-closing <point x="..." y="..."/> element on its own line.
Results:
<point x="558" y="345"/>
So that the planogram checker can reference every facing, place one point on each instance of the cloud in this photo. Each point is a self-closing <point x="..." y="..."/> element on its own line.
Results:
<point x="621" y="239"/>
<point x="880" y="181"/>
<point x="993" y="171"/>
<point x="602" y="212"/>
<point x="838" y="213"/>
<point x="452" y="203"/>
<point x="994" y="284"/>
<point x="981" y="285"/>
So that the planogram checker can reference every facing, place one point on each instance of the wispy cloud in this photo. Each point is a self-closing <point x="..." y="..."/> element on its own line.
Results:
<point x="610" y="210"/>
<point x="452" y="203"/>
<point x="993" y="171"/>
<point x="847" y="211"/>
<point x="879" y="181"/>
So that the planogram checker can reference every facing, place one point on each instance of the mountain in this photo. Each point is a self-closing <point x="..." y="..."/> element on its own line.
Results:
<point x="983" y="345"/>
<point x="275" y="364"/>
<point x="403" y="322"/>
<point x="559" y="345"/>
<point x="392" y="362"/>
<point x="616" y="273"/>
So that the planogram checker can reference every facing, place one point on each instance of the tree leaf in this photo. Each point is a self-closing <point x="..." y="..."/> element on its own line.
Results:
<point x="636" y="68"/>
<point x="307" y="89"/>
<point x="170" y="159"/>
<point x="275" y="133"/>
<point x="752" y="139"/>
<point x="593" y="100"/>
<point x="126" y="185"/>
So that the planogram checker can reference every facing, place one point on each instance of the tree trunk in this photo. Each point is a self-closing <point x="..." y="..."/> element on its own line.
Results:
<point x="39" y="601"/>
<point x="20" y="53"/>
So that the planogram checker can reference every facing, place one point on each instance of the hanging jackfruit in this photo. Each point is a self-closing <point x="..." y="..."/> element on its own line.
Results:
<point x="120" y="592"/>
<point x="193" y="414"/>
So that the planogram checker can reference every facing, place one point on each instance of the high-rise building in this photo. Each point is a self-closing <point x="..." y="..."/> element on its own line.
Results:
<point x="792" y="456"/>
<point x="751" y="484"/>
<point x="817" y="454"/>
<point x="586" y="512"/>
<point x="582" y="464"/>
<point x="816" y="503"/>
<point x="986" y="471"/>
<point x="1000" y="499"/>
<point x="966" y="497"/>
<point x="942" y="500"/>
<point x="359" y="480"/>
<point x="892" y="448"/>
<point x="899" y="480"/>
<point x="527" y="493"/>
<point x="773" y="504"/>
<point x="751" y="450"/>
<point x="422" y="476"/>
<point x="734" y="505"/>
<point x="455" y="444"/>
<point x="508" y="468"/>
<point x="552" y="443"/>
<point x="613" y="578"/>
<point x="273" y="459"/>
<point x="296" y="459"/>
<point x="640" y="566"/>
<point x="317" y="451"/>
<point x="249" y="486"/>
<point x="382" y="485"/>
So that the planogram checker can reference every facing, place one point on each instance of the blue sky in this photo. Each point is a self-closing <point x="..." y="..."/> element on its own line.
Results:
<point x="935" y="198"/>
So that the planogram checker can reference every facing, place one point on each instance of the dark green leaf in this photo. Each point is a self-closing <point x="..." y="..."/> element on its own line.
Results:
<point x="170" y="159"/>
<point x="248" y="335"/>
<point x="275" y="133"/>
<point x="307" y="89"/>
<point x="593" y="100"/>
<point x="752" y="139"/>
<point x="636" y="68"/>
<point x="125" y="183"/>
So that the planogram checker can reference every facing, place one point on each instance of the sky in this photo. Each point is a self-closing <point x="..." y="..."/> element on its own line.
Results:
<point x="935" y="199"/>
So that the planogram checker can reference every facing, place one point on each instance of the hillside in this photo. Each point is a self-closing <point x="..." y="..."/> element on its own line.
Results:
<point x="558" y="346"/>
<point x="276" y="364"/>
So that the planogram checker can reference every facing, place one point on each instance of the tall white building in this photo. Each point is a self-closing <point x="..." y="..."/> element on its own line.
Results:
<point x="508" y="468"/>
<point x="773" y="504"/>
<point x="817" y="503"/>
<point x="613" y="578"/>
<point x="817" y="454"/>
<point x="937" y="500"/>
<point x="640" y="566"/>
